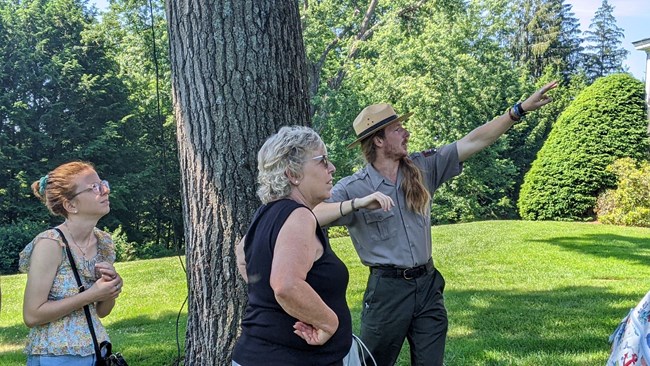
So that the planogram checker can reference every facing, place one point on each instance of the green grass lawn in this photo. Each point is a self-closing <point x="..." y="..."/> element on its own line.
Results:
<point x="517" y="293"/>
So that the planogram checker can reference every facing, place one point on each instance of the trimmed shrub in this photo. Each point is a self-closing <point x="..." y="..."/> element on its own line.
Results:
<point x="606" y="121"/>
<point x="629" y="203"/>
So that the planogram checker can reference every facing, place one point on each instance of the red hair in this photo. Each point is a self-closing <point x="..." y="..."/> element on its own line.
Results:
<point x="57" y="186"/>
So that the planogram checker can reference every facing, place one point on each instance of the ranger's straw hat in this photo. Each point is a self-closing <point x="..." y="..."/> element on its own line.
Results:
<point x="374" y="118"/>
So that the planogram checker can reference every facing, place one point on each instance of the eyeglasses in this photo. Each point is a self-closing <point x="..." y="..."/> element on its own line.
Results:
<point x="97" y="188"/>
<point x="323" y="159"/>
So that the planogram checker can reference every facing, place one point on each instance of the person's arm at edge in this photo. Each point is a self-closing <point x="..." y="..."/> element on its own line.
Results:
<point x="486" y="134"/>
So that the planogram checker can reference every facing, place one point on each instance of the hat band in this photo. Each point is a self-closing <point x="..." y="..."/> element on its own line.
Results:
<point x="376" y="126"/>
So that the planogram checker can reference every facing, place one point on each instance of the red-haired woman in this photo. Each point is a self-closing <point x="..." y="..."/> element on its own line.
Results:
<point x="53" y="304"/>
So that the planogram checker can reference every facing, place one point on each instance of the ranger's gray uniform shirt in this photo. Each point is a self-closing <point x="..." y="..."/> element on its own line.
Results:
<point x="398" y="237"/>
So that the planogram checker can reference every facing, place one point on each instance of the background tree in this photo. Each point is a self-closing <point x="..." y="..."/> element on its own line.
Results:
<point x="137" y="35"/>
<point x="605" y="122"/>
<point x="61" y="100"/>
<point x="544" y="29"/>
<point x="543" y="34"/>
<point x="604" y="54"/>
<point x="238" y="74"/>
<point x="444" y="61"/>
<point x="569" y="47"/>
<point x="335" y="32"/>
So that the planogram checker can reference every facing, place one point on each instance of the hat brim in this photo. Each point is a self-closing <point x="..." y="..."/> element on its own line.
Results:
<point x="369" y="133"/>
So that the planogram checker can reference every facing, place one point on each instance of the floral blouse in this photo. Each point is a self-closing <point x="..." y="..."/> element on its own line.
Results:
<point x="68" y="335"/>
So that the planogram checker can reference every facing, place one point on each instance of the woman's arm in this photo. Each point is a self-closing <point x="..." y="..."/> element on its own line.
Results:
<point x="327" y="212"/>
<point x="37" y="309"/>
<point x="296" y="249"/>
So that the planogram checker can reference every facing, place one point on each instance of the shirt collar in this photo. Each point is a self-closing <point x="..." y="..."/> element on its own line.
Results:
<point x="376" y="179"/>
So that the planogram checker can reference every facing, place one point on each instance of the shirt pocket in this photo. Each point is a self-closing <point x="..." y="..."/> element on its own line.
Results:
<point x="381" y="224"/>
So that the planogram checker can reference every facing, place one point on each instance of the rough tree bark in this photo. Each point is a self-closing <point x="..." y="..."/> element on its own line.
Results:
<point x="238" y="74"/>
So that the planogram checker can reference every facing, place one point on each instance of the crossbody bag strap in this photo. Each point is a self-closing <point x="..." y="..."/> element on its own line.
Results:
<point x="89" y="320"/>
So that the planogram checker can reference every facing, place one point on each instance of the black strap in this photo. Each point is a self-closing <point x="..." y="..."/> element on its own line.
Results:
<point x="89" y="320"/>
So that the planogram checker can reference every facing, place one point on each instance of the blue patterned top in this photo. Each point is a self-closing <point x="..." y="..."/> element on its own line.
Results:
<point x="68" y="335"/>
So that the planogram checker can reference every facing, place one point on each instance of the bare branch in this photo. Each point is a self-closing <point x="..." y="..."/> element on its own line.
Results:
<point x="366" y="18"/>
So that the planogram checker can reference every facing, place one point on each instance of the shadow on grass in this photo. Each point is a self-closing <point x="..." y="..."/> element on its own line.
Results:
<point x="568" y="326"/>
<point x="13" y="335"/>
<point x="626" y="248"/>
<point x="142" y="340"/>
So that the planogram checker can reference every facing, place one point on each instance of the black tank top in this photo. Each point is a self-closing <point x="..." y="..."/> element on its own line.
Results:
<point x="267" y="330"/>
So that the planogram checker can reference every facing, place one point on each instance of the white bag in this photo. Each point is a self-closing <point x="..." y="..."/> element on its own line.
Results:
<point x="357" y="354"/>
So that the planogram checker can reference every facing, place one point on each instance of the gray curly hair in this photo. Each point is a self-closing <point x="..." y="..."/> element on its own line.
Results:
<point x="282" y="153"/>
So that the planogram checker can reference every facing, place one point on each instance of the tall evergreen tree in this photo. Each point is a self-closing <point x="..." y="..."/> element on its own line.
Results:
<point x="545" y="34"/>
<point x="604" y="54"/>
<point x="544" y="30"/>
<point x="60" y="100"/>
<point x="136" y="32"/>
<point x="570" y="43"/>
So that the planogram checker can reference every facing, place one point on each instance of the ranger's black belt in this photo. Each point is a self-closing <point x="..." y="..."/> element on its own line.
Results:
<point x="406" y="273"/>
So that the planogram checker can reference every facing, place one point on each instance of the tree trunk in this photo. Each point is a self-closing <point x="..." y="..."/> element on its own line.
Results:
<point x="238" y="74"/>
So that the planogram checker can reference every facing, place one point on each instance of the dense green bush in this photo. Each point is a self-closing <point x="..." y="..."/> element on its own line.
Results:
<point x="124" y="249"/>
<point x="606" y="121"/>
<point x="13" y="238"/>
<point x="629" y="203"/>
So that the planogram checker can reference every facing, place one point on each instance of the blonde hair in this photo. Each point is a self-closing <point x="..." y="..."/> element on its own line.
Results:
<point x="284" y="153"/>
<point x="57" y="186"/>
<point x="417" y="195"/>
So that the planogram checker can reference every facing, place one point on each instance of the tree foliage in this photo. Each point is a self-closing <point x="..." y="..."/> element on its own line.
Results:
<point x="428" y="58"/>
<point x="67" y="96"/>
<point x="604" y="54"/>
<point x="543" y="34"/>
<point x="605" y="122"/>
<point x="136" y="38"/>
<point x="14" y="237"/>
<point x="61" y="101"/>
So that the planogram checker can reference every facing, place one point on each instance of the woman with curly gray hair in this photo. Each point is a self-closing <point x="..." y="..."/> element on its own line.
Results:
<point x="296" y="313"/>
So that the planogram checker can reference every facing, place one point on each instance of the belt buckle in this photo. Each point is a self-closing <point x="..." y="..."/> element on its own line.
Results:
<point x="405" y="274"/>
